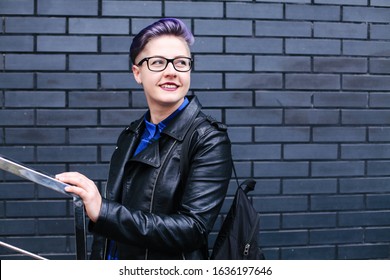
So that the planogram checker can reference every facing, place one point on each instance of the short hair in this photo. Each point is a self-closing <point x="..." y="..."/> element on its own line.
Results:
<point x="165" y="26"/>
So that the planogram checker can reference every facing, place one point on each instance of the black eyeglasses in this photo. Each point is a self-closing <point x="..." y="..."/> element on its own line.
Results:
<point x="159" y="63"/>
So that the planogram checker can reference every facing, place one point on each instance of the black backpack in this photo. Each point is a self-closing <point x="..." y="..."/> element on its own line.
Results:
<point x="237" y="238"/>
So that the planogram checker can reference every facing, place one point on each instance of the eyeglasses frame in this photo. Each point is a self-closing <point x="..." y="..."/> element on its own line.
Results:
<point x="169" y="60"/>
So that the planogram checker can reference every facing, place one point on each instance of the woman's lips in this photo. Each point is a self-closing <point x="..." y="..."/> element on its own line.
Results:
<point x="169" y="86"/>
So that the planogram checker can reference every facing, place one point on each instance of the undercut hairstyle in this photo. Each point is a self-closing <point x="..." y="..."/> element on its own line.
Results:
<point x="165" y="26"/>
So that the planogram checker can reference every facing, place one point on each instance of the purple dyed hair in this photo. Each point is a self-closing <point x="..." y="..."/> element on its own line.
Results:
<point x="165" y="26"/>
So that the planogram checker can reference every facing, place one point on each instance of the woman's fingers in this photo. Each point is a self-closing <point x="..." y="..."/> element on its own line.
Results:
<point x="85" y="189"/>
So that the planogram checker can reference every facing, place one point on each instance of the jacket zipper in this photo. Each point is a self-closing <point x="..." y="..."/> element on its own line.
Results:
<point x="154" y="188"/>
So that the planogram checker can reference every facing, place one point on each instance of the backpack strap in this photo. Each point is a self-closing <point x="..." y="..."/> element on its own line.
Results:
<point x="185" y="150"/>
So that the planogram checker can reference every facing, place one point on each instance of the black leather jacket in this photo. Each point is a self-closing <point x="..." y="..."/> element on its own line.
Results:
<point x="146" y="209"/>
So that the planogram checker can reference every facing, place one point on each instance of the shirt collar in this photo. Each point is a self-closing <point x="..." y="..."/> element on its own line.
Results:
<point x="157" y="129"/>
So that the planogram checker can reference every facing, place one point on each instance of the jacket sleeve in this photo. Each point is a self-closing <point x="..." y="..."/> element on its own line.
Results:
<point x="201" y="200"/>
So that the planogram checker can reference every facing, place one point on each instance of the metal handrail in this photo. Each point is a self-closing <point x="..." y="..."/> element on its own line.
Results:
<point x="50" y="182"/>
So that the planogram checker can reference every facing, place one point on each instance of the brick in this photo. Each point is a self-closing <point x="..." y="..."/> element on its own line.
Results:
<point x="16" y="117"/>
<point x="117" y="44"/>
<point x="17" y="190"/>
<point x="326" y="252"/>
<point x="20" y="153"/>
<point x="366" y="218"/>
<point x="379" y="66"/>
<point x="339" y="134"/>
<point x="365" y="151"/>
<point x="69" y="117"/>
<point x="311" y="116"/>
<point x="92" y="171"/>
<point x="254" y="10"/>
<point x="336" y="202"/>
<point x="383" y="3"/>
<point x="280" y="169"/>
<point x="35" y="208"/>
<point x="193" y="9"/>
<point x="253" y="81"/>
<point x="16" y="43"/>
<point x="379" y="100"/>
<point x="283" y="28"/>
<point x="206" y="81"/>
<point x="120" y="117"/>
<point x="283" y="99"/>
<point x="378" y="167"/>
<point x="240" y="134"/>
<point x="281" y="204"/>
<point x="55" y="226"/>
<point x="255" y="151"/>
<point x="313" y="12"/>
<point x="282" y="64"/>
<point x="39" y="25"/>
<point x="132" y="8"/>
<point x="340" y="65"/>
<point x="235" y="63"/>
<point x="365" y="117"/>
<point x="100" y="99"/>
<point x="12" y="227"/>
<point x="363" y="251"/>
<point x="99" y="62"/>
<point x="378" y="201"/>
<point x="341" y="100"/>
<point x="117" y="80"/>
<point x="264" y="116"/>
<point x="66" y="43"/>
<point x="33" y="135"/>
<point x="207" y="45"/>
<point x="312" y="81"/>
<point x="364" y="185"/>
<point x="310" y="151"/>
<point x="228" y="27"/>
<point x="68" y="7"/>
<point x="342" y="2"/>
<point x="366" y="14"/>
<point x="10" y="7"/>
<point x="254" y="45"/>
<point x="282" y="134"/>
<point x="366" y="48"/>
<point x="310" y="186"/>
<point x="379" y="134"/>
<point x="225" y="98"/>
<point x="66" y="81"/>
<point x="67" y="154"/>
<point x="39" y="245"/>
<point x="284" y="238"/>
<point x="313" y="46"/>
<point x="16" y="80"/>
<point x="340" y="30"/>
<point x="379" y="31"/>
<point x="35" y="62"/>
<point x="98" y="26"/>
<point x="94" y="135"/>
<point x="35" y="99"/>
<point x="336" y="236"/>
<point x="377" y="234"/>
<point x="337" y="168"/>
<point x="309" y="220"/>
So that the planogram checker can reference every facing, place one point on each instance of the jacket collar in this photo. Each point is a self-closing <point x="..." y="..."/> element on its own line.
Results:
<point x="177" y="129"/>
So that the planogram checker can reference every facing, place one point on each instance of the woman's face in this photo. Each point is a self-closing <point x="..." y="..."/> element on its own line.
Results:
<point x="165" y="89"/>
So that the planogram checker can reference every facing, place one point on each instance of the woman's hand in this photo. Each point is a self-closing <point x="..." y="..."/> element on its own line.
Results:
<point x="85" y="189"/>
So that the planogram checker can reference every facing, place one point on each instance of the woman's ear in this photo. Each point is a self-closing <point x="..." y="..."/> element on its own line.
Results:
<point x="137" y="74"/>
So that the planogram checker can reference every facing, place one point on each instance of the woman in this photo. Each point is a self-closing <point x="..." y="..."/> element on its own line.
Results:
<point x="147" y="210"/>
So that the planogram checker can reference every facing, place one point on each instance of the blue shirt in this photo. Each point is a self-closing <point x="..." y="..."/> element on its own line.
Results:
<point x="151" y="134"/>
<point x="152" y="131"/>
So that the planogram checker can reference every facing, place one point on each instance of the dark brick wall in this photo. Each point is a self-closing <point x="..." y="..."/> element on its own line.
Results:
<point x="302" y="84"/>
